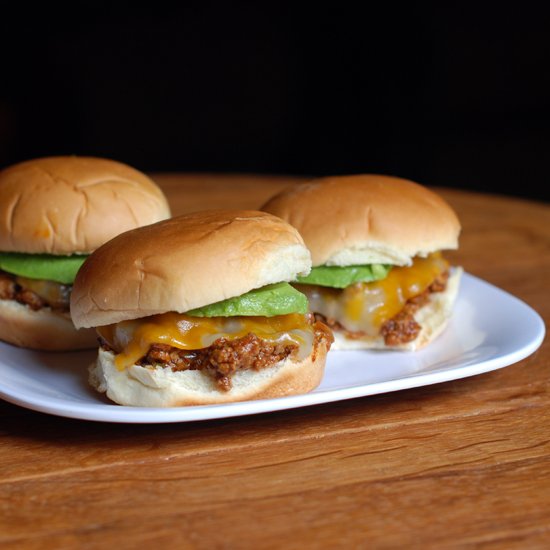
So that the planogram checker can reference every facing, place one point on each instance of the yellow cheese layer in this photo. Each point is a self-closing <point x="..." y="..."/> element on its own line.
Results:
<point x="56" y="294"/>
<point x="401" y="284"/>
<point x="132" y="339"/>
<point x="367" y="306"/>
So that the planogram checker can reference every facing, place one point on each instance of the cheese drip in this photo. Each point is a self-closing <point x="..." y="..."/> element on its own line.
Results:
<point x="367" y="306"/>
<point x="131" y="340"/>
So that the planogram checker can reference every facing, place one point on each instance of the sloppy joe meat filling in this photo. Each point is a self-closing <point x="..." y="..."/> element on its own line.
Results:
<point x="401" y="328"/>
<point x="35" y="293"/>
<point x="225" y="356"/>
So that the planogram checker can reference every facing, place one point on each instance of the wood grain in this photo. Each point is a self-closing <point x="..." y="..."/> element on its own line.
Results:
<point x="464" y="464"/>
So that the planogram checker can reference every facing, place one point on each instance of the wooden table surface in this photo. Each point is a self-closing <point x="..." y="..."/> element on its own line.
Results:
<point x="461" y="464"/>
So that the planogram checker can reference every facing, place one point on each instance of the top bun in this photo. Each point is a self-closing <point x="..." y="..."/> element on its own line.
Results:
<point x="364" y="219"/>
<point x="185" y="263"/>
<point x="72" y="205"/>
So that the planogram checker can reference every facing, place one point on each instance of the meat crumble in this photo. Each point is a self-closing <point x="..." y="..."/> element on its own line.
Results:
<point x="225" y="356"/>
<point x="401" y="328"/>
<point x="8" y="288"/>
<point x="12" y="289"/>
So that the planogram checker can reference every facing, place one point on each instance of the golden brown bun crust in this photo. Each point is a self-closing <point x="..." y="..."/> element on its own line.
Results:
<point x="184" y="263"/>
<point x="42" y="329"/>
<point x="144" y="387"/>
<point x="350" y="220"/>
<point x="66" y="205"/>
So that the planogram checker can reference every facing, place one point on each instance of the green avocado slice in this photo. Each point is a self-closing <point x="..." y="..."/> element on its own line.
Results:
<point x="341" y="277"/>
<point x="61" y="269"/>
<point x="267" y="301"/>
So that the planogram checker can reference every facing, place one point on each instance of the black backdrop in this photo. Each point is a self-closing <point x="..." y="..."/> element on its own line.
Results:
<point x="444" y="95"/>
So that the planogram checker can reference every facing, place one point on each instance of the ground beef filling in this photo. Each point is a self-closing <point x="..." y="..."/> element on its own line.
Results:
<point x="12" y="289"/>
<point x="401" y="328"/>
<point x="225" y="356"/>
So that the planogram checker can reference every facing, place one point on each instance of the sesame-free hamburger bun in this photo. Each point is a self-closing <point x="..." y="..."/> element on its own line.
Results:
<point x="378" y="279"/>
<point x="197" y="310"/>
<point x="55" y="211"/>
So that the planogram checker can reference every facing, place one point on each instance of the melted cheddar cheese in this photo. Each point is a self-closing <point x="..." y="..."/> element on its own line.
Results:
<point x="132" y="339"/>
<point x="55" y="294"/>
<point x="367" y="306"/>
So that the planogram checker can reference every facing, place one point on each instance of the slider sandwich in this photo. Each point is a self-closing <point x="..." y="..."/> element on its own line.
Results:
<point x="198" y="310"/>
<point x="53" y="212"/>
<point x="379" y="279"/>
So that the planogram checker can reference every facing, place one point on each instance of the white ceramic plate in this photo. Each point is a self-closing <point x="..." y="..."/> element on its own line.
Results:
<point x="490" y="329"/>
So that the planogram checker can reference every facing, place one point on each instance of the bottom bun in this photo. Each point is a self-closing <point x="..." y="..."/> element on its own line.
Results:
<point x="42" y="330"/>
<point x="432" y="317"/>
<point x="161" y="387"/>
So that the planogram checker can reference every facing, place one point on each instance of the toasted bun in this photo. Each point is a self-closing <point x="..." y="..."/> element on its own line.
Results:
<point x="184" y="263"/>
<point x="159" y="387"/>
<point x="43" y="329"/>
<point x="68" y="205"/>
<point x="363" y="219"/>
<point x="432" y="317"/>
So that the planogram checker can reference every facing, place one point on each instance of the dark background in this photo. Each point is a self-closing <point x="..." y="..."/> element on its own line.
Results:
<point x="441" y="94"/>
